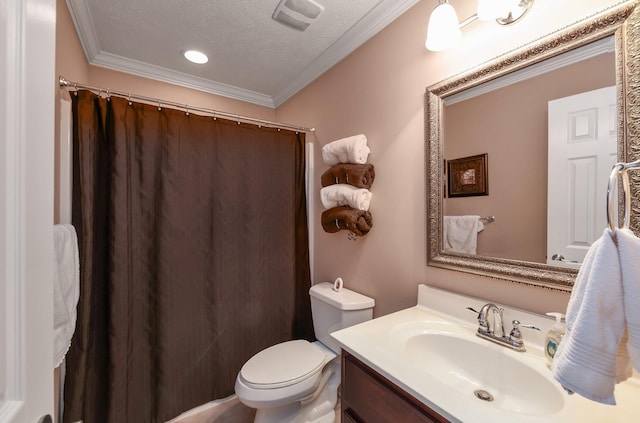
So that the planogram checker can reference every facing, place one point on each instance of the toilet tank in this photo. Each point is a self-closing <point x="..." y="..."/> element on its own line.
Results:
<point x="335" y="310"/>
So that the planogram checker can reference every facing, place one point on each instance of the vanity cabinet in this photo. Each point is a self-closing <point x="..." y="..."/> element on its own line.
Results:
<point x="368" y="397"/>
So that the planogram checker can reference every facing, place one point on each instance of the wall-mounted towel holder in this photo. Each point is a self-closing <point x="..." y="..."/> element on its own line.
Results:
<point x="345" y="194"/>
<point x="488" y="219"/>
<point x="620" y="169"/>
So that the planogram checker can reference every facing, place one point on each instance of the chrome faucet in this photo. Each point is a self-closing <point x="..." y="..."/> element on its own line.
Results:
<point x="495" y="333"/>
<point x="484" y="322"/>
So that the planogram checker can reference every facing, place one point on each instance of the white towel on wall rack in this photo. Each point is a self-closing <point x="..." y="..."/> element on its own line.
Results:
<point x="66" y="289"/>
<point x="603" y="320"/>
<point x="629" y="248"/>
<point x="345" y="195"/>
<point x="460" y="233"/>
<point x="352" y="149"/>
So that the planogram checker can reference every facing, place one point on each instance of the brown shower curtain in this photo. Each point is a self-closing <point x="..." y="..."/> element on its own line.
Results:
<point x="194" y="256"/>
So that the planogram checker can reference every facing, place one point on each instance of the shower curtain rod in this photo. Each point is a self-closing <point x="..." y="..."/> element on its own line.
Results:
<point x="216" y="113"/>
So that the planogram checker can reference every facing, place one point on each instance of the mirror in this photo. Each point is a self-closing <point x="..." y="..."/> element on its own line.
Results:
<point x="620" y="24"/>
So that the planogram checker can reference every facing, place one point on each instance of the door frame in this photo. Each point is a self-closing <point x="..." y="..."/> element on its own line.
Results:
<point x="27" y="110"/>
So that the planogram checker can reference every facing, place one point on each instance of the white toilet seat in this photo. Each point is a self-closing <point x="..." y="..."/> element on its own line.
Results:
<point x="259" y="385"/>
<point x="282" y="365"/>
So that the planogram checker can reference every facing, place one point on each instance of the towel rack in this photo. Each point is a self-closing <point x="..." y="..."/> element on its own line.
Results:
<point x="488" y="219"/>
<point x="620" y="169"/>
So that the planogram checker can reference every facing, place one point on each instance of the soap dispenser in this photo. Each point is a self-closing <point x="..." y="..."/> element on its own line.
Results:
<point x="554" y="336"/>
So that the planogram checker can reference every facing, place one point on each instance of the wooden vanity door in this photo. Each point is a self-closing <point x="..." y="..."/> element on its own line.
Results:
<point x="368" y="397"/>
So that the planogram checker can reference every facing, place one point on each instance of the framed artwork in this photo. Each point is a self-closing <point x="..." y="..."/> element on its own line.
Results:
<point x="468" y="176"/>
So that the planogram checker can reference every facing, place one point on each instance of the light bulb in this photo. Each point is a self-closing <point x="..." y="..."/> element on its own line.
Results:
<point x="444" y="30"/>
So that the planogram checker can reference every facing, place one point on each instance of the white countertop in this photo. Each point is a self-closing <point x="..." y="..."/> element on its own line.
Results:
<point x="376" y="343"/>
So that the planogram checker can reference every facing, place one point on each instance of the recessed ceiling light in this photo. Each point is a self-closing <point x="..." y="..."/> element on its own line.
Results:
<point x="195" y="56"/>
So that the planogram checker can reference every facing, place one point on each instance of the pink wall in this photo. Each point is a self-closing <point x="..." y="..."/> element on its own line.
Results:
<point x="378" y="90"/>
<point x="508" y="124"/>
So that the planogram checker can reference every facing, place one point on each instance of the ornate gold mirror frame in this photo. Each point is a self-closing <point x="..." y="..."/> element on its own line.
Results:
<point x="623" y="22"/>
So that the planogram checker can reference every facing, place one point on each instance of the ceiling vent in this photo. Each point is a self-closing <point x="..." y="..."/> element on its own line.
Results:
<point x="297" y="14"/>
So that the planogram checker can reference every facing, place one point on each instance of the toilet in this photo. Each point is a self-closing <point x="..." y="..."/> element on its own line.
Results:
<point x="297" y="381"/>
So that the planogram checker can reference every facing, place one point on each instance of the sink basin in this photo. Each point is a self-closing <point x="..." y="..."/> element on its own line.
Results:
<point x="480" y="370"/>
<point x="431" y="352"/>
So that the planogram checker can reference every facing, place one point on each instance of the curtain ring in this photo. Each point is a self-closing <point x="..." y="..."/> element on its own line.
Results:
<point x="129" y="100"/>
<point x="214" y="115"/>
<point x="337" y="226"/>
<point x="187" y="107"/>
<point x="238" y="117"/>
<point x="108" y="95"/>
<point x="159" y="107"/>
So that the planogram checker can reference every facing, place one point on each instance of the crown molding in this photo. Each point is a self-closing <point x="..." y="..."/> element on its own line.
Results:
<point x="158" y="73"/>
<point x="81" y="18"/>
<point x="379" y="17"/>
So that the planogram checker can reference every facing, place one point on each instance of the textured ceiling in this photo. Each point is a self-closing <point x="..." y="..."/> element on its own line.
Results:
<point x="251" y="57"/>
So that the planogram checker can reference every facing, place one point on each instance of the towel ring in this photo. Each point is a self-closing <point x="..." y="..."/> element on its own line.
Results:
<point x="620" y="169"/>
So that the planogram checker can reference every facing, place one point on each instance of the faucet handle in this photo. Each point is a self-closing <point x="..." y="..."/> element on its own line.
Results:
<point x="516" y="336"/>
<point x="482" y="322"/>
<point x="517" y="324"/>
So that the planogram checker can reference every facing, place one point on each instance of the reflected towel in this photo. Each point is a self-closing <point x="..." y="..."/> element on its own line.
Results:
<point x="461" y="233"/>
<point x="345" y="195"/>
<point x="358" y="175"/>
<point x="66" y="289"/>
<point x="357" y="221"/>
<point x="594" y="353"/>
<point x="346" y="150"/>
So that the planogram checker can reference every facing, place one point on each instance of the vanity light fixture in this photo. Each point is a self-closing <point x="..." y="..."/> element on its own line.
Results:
<point x="444" y="31"/>
<point x="195" y="56"/>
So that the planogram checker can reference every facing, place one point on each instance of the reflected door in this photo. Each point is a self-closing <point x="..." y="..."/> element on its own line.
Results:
<point x="582" y="149"/>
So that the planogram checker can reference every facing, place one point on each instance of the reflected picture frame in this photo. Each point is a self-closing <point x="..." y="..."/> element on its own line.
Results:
<point x="468" y="176"/>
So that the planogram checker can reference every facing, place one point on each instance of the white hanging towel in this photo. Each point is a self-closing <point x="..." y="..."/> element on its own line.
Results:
<point x="345" y="195"/>
<point x="461" y="233"/>
<point x="346" y="150"/>
<point x="629" y="248"/>
<point x="603" y="321"/>
<point x="66" y="289"/>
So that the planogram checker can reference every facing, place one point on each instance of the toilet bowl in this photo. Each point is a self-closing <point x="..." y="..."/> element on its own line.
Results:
<point x="282" y="374"/>
<point x="297" y="381"/>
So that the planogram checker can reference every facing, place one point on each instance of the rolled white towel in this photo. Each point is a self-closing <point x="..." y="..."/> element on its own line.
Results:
<point x="346" y="150"/>
<point x="345" y="195"/>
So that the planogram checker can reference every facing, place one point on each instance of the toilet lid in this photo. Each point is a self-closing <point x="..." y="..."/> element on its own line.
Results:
<point x="282" y="365"/>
